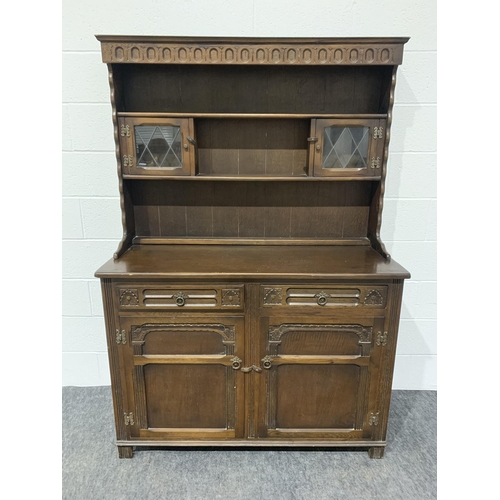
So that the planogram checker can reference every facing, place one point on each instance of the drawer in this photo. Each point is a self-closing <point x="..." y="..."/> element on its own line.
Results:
<point x="180" y="297"/>
<point x="324" y="296"/>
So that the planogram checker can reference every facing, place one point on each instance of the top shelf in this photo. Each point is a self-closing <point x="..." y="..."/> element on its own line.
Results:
<point x="126" y="114"/>
<point x="219" y="39"/>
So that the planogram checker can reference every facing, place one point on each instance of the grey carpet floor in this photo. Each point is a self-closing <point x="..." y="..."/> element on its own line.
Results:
<point x="92" y="469"/>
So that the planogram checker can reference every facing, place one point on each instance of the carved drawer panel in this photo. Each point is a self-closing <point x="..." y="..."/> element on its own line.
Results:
<point x="326" y="296"/>
<point x="182" y="297"/>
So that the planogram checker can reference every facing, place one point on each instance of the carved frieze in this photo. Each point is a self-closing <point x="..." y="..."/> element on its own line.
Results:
<point x="350" y="53"/>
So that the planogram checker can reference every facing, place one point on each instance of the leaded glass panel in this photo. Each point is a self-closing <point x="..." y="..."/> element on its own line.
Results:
<point x="158" y="146"/>
<point x="345" y="147"/>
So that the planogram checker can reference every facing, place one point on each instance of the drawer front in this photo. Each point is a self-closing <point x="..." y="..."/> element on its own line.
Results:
<point x="365" y="296"/>
<point x="182" y="297"/>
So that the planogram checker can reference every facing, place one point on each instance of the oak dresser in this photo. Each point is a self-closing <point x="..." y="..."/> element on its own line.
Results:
<point x="251" y="301"/>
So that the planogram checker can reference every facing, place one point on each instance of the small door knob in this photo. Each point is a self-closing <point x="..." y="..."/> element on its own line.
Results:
<point x="236" y="363"/>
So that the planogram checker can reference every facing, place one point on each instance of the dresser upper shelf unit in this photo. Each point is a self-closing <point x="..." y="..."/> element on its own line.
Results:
<point x="290" y="112"/>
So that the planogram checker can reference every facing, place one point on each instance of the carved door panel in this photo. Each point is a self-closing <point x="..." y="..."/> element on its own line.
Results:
<point x="320" y="376"/>
<point x="183" y="376"/>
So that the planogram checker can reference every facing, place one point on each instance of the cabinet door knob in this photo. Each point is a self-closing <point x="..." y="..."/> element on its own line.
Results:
<point x="267" y="361"/>
<point x="236" y="363"/>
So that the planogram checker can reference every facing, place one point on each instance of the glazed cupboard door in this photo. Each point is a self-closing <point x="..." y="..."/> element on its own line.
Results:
<point x="157" y="146"/>
<point x="183" y="377"/>
<point x="347" y="147"/>
<point x="320" y="377"/>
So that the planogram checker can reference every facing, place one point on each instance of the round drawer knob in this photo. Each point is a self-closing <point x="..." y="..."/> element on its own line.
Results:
<point x="322" y="298"/>
<point x="180" y="299"/>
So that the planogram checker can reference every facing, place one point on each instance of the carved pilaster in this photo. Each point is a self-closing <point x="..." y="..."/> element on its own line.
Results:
<point x="387" y="361"/>
<point x="117" y="384"/>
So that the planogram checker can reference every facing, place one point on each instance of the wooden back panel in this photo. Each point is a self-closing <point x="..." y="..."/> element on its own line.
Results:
<point x="252" y="89"/>
<point x="251" y="209"/>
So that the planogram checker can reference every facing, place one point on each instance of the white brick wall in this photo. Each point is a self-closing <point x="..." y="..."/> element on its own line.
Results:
<point x="91" y="215"/>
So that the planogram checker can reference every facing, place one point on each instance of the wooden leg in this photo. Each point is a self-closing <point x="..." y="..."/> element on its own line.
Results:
<point x="125" y="451"/>
<point x="376" y="452"/>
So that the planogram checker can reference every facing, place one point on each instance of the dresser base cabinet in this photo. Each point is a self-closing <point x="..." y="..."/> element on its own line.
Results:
<point x="251" y="300"/>
<point x="287" y="364"/>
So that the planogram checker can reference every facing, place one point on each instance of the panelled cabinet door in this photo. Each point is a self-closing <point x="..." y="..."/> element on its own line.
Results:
<point x="347" y="147"/>
<point x="183" y="376"/>
<point x="157" y="146"/>
<point x="320" y="377"/>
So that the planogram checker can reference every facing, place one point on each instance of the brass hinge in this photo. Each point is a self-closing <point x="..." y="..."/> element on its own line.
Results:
<point x="373" y="419"/>
<point x="125" y="131"/>
<point x="128" y="161"/>
<point x="382" y="338"/>
<point x="129" y="419"/>
<point x="376" y="162"/>
<point x="377" y="132"/>
<point x="121" y="337"/>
